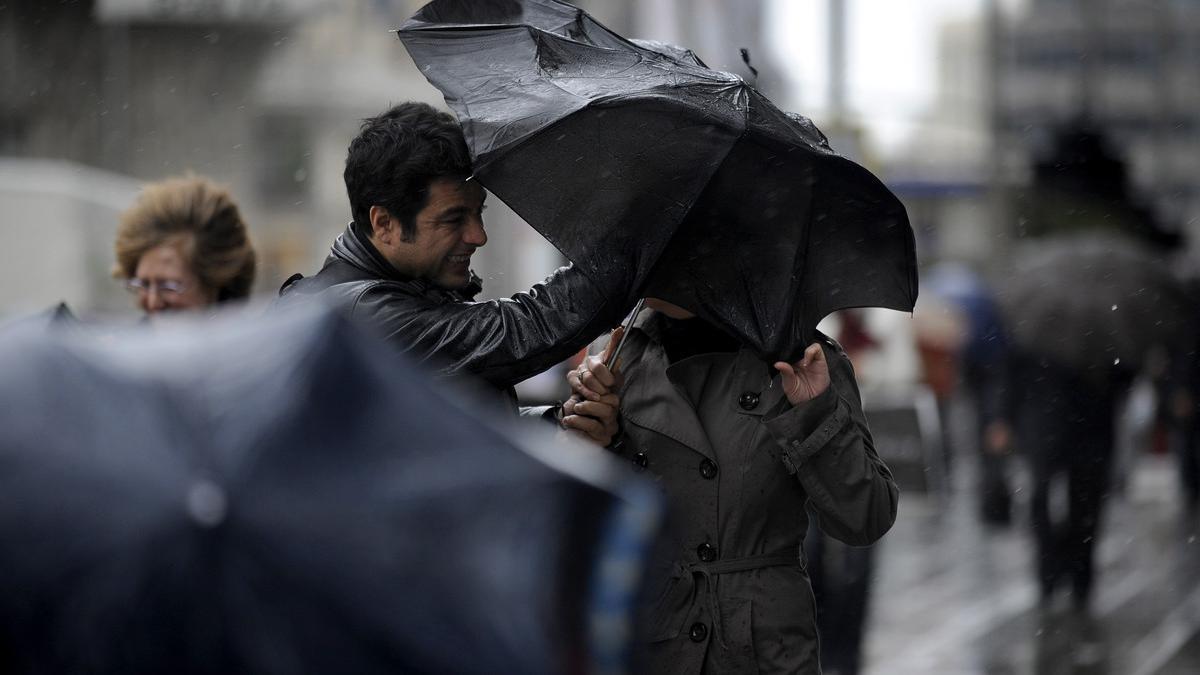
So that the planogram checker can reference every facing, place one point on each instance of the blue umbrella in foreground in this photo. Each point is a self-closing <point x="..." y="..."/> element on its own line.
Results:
<point x="634" y="156"/>
<point x="288" y="496"/>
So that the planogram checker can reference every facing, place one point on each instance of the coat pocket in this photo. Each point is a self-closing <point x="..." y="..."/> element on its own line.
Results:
<point x="737" y="654"/>
<point x="670" y="611"/>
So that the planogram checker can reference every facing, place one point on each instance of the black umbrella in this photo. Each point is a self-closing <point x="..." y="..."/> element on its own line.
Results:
<point x="1095" y="301"/>
<point x="288" y="496"/>
<point x="635" y="159"/>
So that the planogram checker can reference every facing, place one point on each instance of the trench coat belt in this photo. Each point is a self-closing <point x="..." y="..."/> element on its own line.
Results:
<point x="687" y="573"/>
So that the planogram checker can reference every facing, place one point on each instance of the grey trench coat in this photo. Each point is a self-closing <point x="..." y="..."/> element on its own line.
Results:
<point x="739" y="463"/>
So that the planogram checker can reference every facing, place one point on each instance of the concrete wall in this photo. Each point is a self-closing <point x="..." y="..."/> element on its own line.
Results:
<point x="58" y="221"/>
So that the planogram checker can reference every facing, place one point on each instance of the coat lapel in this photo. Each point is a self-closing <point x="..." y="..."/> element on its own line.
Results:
<point x="652" y="401"/>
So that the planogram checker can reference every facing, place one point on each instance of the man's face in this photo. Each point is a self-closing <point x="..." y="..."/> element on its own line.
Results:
<point x="448" y="230"/>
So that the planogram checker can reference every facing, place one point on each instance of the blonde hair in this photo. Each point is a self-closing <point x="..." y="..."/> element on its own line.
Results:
<point x="221" y="254"/>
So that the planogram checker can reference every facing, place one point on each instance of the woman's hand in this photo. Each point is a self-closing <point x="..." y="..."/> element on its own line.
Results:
<point x="593" y="408"/>
<point x="806" y="379"/>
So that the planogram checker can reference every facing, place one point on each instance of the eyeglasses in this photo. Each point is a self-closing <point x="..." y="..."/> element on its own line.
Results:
<point x="164" y="286"/>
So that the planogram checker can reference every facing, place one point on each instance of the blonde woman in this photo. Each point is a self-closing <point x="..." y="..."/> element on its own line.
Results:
<point x="184" y="246"/>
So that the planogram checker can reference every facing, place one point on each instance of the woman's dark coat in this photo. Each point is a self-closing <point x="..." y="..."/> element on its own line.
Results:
<point x="739" y="464"/>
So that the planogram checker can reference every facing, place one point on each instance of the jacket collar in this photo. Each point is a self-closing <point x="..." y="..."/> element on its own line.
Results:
<point x="748" y="375"/>
<point x="652" y="401"/>
<point x="666" y="403"/>
<point x="354" y="249"/>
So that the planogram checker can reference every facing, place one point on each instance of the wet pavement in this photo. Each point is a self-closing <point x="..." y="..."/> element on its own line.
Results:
<point x="951" y="596"/>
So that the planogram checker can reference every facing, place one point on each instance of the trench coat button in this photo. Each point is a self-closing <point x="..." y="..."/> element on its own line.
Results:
<point x="748" y="400"/>
<point x="698" y="632"/>
<point x="706" y="552"/>
<point x="641" y="461"/>
<point x="708" y="469"/>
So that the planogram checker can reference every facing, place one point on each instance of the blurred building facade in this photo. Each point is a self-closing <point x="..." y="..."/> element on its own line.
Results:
<point x="943" y="174"/>
<point x="1009" y="80"/>
<point x="1131" y="69"/>
<point x="263" y="95"/>
<point x="100" y="93"/>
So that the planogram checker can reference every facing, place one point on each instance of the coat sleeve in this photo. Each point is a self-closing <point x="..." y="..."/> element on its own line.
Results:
<point x="826" y="444"/>
<point x="501" y="341"/>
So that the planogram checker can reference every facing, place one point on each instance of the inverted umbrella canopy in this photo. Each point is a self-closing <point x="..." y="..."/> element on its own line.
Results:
<point x="288" y="496"/>
<point x="1095" y="302"/>
<point x="636" y="159"/>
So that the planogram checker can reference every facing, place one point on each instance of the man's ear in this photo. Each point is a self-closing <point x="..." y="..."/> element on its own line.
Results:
<point x="383" y="226"/>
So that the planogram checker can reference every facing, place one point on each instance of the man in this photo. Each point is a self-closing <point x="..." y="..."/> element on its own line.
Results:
<point x="403" y="266"/>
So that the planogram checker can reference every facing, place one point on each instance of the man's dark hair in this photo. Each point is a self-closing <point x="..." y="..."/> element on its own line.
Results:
<point x="395" y="156"/>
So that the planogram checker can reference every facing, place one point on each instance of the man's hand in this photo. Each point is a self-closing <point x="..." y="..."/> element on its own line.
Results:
<point x="806" y="379"/>
<point x="593" y="407"/>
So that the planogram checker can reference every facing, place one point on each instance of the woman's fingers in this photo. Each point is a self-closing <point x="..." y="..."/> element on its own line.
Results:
<point x="596" y="375"/>
<point x="592" y="428"/>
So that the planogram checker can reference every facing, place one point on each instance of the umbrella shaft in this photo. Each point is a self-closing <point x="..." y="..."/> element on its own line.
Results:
<point x="637" y="309"/>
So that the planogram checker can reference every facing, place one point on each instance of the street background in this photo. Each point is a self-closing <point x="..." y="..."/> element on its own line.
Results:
<point x="950" y="102"/>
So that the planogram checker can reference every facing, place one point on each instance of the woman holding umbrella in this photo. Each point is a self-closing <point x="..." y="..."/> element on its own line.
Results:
<point x="741" y="447"/>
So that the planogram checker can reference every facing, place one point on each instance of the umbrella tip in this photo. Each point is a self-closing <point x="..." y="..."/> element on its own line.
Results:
<point x="746" y="60"/>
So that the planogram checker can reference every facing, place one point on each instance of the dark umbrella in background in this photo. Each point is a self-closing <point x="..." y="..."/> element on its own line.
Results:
<point x="635" y="159"/>
<point x="1096" y="292"/>
<point x="1095" y="302"/>
<point x="288" y="496"/>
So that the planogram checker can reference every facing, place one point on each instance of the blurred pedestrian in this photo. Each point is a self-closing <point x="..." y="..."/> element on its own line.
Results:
<point x="1085" y="309"/>
<point x="741" y="447"/>
<point x="1180" y="390"/>
<point x="1066" y="416"/>
<point x="403" y="266"/>
<point x="1184" y="421"/>
<point x="982" y="361"/>
<point x="184" y="246"/>
<point x="940" y="330"/>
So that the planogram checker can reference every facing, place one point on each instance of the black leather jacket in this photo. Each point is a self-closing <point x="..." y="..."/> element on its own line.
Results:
<point x="501" y="341"/>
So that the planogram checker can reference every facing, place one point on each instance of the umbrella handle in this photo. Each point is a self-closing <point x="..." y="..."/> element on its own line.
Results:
<point x="637" y="309"/>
